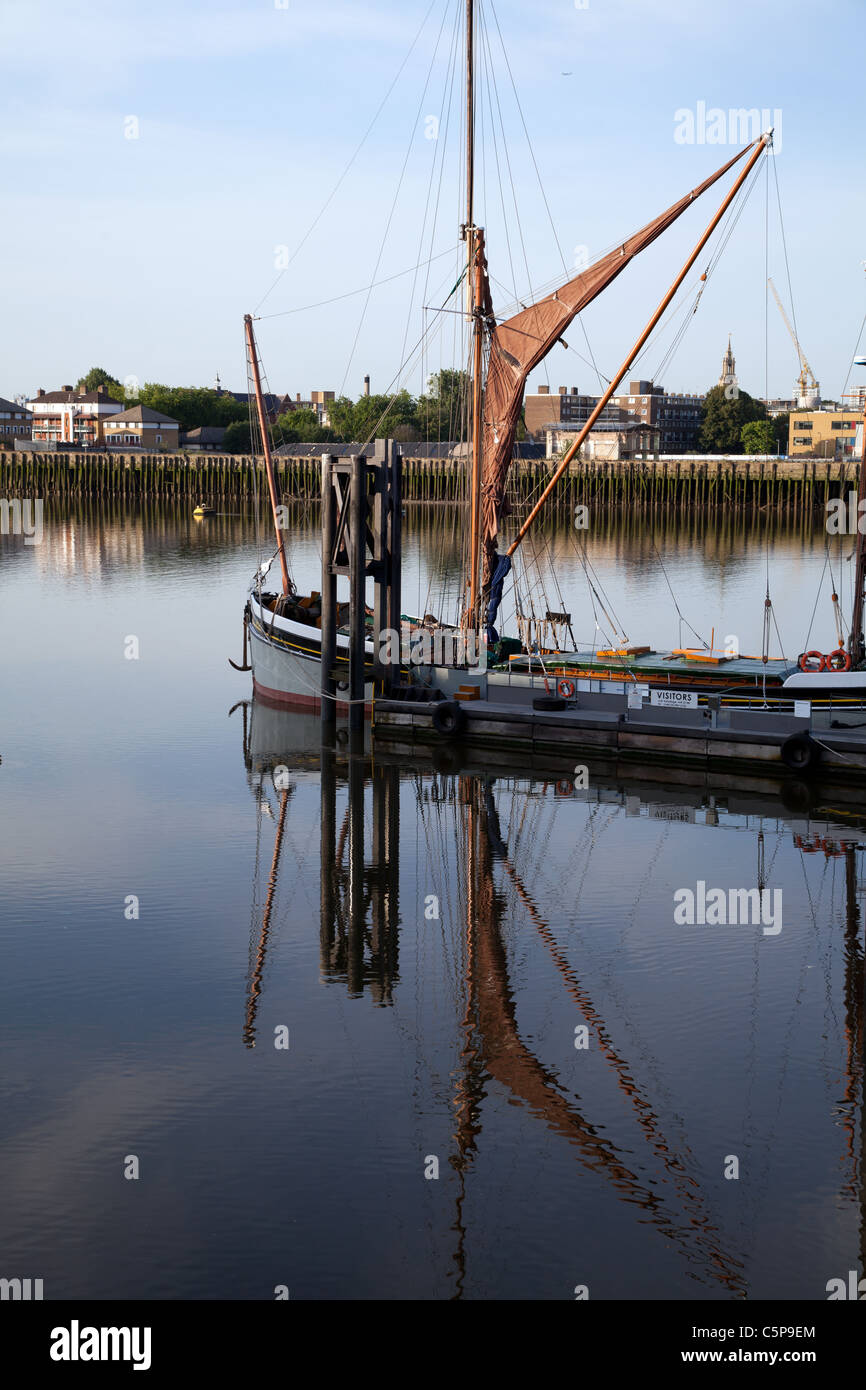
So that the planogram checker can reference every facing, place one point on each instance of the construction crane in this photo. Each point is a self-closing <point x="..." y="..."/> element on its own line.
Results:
<point x="808" y="389"/>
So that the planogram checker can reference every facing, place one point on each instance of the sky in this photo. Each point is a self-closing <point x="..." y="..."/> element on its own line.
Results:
<point x="168" y="167"/>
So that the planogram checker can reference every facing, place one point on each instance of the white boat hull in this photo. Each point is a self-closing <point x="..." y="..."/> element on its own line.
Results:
<point x="287" y="663"/>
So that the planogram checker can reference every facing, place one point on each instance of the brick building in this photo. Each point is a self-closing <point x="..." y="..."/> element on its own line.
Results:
<point x="676" y="416"/>
<point x="545" y="410"/>
<point x="16" y="422"/>
<point x="141" y="428"/>
<point x="74" y="418"/>
<point x="673" y="419"/>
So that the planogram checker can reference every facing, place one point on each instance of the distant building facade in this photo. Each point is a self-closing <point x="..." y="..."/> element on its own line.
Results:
<point x="855" y="400"/>
<point x="276" y="405"/>
<point x="141" y="428"/>
<point x="318" y="403"/>
<point x="677" y="417"/>
<point x="72" y="418"/>
<point x="206" y="439"/>
<point x="627" y="439"/>
<point x="545" y="410"/>
<point x="823" y="434"/>
<point x="673" y="421"/>
<point x="16" y="422"/>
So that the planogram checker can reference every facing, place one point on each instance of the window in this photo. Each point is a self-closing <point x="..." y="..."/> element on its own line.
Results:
<point x="842" y="425"/>
<point x="802" y="439"/>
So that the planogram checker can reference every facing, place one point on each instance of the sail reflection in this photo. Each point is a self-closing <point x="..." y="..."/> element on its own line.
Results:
<point x="483" y="888"/>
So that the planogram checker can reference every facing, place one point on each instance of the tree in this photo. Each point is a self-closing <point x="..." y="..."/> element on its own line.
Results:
<point x="237" y="438"/>
<point x="442" y="412"/>
<point x="781" y="424"/>
<point x="395" y="416"/>
<point x="722" y="420"/>
<point x="759" y="437"/>
<point x="302" y="427"/>
<point x="98" y="376"/>
<point x="192" y="406"/>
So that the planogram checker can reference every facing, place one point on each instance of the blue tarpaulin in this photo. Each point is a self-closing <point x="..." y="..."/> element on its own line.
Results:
<point x="500" y="574"/>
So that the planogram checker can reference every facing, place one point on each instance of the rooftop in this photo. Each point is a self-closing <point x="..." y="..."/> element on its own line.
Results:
<point x="205" y="434"/>
<point x="68" y="396"/>
<point x="142" y="415"/>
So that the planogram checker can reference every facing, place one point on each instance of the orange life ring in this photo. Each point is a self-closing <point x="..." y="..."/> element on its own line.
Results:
<point x="565" y="787"/>
<point x="839" y="660"/>
<point x="565" y="689"/>
<point x="808" y="657"/>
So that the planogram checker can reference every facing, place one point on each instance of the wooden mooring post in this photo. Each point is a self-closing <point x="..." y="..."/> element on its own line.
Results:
<point x="361" y="538"/>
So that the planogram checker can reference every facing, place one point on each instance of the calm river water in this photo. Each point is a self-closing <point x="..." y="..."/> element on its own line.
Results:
<point x="509" y="1072"/>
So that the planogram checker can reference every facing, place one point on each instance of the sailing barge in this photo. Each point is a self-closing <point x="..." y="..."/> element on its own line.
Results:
<point x="284" y="627"/>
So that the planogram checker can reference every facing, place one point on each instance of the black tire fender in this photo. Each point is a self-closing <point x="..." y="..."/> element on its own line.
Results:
<point x="449" y="719"/>
<point x="800" y="753"/>
<point x="549" y="702"/>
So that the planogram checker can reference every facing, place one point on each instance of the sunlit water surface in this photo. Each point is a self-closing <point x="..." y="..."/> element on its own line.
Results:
<point x="415" y="1040"/>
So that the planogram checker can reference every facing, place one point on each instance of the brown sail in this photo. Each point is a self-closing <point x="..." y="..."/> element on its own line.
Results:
<point x="521" y="342"/>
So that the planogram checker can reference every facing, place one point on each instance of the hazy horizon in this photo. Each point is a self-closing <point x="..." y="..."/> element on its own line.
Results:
<point x="163" y="163"/>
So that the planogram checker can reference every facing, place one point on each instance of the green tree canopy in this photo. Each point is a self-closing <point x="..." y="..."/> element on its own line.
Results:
<point x="442" y="411"/>
<point x="237" y="438"/>
<point x="98" y="376"/>
<point x="722" y="420"/>
<point x="192" y="406"/>
<point x="368" y="416"/>
<point x="759" y="437"/>
<point x="302" y="427"/>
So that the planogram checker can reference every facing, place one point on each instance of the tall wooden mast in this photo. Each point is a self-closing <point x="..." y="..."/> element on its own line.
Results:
<point x="856" y="645"/>
<point x="475" y="299"/>
<point x="470" y="129"/>
<point x="266" y="446"/>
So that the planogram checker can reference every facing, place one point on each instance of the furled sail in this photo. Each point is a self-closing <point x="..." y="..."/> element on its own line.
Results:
<point x="521" y="342"/>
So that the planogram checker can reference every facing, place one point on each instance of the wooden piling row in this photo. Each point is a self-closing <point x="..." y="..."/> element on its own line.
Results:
<point x="785" y="485"/>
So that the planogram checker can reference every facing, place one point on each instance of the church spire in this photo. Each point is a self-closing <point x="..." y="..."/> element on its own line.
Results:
<point x="729" y="368"/>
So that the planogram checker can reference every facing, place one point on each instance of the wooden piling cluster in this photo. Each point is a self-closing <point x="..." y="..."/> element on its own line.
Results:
<point x="786" y="485"/>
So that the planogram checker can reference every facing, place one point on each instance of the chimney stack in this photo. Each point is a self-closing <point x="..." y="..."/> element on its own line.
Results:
<point x="67" y="388"/>
<point x="298" y="398"/>
<point x="367" y="384"/>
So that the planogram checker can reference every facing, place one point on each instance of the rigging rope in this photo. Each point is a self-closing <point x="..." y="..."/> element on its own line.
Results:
<point x="320" y="214"/>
